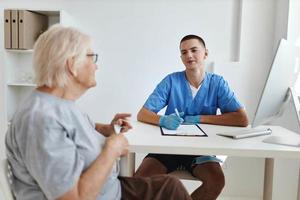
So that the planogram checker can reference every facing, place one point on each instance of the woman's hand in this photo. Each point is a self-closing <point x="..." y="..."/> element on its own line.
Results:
<point x="120" y="120"/>
<point x="116" y="145"/>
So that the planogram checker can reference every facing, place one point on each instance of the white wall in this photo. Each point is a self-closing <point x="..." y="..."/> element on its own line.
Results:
<point x="294" y="21"/>
<point x="138" y="46"/>
<point x="137" y="42"/>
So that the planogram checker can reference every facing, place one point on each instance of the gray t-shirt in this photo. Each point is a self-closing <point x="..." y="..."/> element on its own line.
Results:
<point x="49" y="144"/>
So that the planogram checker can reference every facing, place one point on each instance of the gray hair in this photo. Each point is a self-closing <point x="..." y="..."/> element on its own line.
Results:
<point x="52" y="50"/>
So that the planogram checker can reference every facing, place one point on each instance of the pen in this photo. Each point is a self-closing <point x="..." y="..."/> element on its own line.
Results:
<point x="117" y="128"/>
<point x="176" y="112"/>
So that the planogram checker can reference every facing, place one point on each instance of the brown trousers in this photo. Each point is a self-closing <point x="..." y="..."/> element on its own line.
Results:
<point x="159" y="187"/>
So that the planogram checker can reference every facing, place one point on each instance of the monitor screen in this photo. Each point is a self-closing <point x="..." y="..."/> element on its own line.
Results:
<point x="282" y="75"/>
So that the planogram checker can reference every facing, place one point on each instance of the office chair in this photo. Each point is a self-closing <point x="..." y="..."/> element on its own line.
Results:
<point x="5" y="181"/>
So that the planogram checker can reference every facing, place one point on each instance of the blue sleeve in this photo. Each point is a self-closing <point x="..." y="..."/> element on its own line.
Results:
<point x="227" y="101"/>
<point x="160" y="96"/>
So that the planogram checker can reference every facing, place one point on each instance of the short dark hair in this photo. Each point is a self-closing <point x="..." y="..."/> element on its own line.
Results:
<point x="189" y="37"/>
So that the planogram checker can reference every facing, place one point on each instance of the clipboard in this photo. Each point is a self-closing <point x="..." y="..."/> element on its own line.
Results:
<point x="188" y="130"/>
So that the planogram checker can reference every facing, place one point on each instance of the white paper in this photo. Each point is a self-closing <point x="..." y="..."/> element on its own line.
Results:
<point x="184" y="129"/>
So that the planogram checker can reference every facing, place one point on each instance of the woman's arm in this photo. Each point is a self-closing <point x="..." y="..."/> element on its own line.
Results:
<point x="104" y="129"/>
<point x="119" y="119"/>
<point x="93" y="178"/>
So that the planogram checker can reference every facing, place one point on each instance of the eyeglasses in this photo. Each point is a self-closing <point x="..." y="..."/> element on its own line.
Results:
<point x="94" y="55"/>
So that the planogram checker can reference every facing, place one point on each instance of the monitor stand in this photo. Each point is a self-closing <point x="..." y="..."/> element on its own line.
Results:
<point x="291" y="96"/>
<point x="296" y="102"/>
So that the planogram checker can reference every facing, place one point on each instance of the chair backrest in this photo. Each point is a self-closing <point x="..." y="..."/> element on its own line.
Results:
<point x="5" y="181"/>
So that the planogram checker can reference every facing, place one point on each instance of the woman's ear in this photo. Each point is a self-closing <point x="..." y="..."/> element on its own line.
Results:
<point x="70" y="66"/>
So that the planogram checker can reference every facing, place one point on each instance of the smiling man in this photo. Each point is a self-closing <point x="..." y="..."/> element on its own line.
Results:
<point x="197" y="95"/>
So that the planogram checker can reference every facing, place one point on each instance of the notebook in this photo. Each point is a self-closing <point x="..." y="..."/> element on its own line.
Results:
<point x="246" y="133"/>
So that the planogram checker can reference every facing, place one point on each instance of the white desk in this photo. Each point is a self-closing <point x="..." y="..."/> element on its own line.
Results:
<point x="145" y="138"/>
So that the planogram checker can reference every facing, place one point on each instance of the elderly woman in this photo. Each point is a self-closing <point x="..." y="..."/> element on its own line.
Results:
<point x="55" y="150"/>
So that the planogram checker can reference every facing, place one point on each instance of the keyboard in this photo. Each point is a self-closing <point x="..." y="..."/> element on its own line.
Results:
<point x="245" y="133"/>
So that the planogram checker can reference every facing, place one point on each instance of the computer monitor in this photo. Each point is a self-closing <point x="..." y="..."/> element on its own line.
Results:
<point x="282" y="75"/>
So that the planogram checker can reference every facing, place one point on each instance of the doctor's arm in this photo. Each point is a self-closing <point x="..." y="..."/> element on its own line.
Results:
<point x="237" y="118"/>
<point x="148" y="116"/>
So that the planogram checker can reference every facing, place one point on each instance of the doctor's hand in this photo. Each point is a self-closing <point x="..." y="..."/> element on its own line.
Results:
<point x="172" y="121"/>
<point x="193" y="119"/>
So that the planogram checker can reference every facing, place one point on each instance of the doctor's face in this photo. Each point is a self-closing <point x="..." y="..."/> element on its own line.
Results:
<point x="193" y="54"/>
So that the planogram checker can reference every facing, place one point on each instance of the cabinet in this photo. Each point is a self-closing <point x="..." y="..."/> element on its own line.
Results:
<point x="17" y="67"/>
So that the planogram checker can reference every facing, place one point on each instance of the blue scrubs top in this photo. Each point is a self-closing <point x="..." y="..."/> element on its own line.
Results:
<point x="174" y="92"/>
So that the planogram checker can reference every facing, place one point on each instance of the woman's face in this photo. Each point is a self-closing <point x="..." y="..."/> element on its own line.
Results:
<point x="86" y="72"/>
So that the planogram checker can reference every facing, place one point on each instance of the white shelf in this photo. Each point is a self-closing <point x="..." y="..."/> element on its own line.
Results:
<point x="49" y="13"/>
<point x="22" y="84"/>
<point x="20" y="50"/>
<point x="18" y="64"/>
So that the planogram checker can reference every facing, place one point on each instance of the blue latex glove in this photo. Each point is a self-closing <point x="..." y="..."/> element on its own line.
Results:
<point x="171" y="121"/>
<point x="193" y="119"/>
